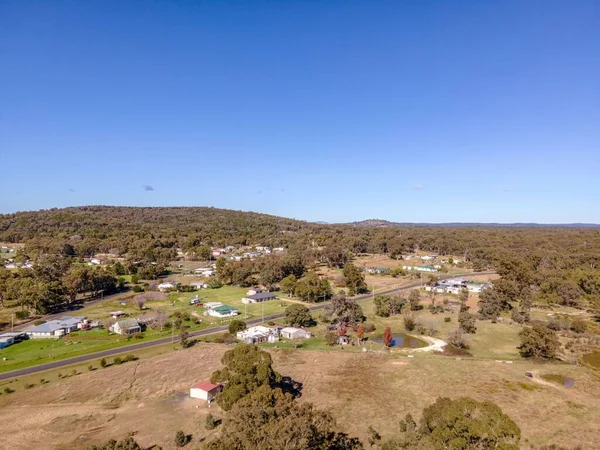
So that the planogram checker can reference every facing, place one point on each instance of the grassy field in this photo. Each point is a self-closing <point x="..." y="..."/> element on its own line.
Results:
<point x="34" y="352"/>
<point x="149" y="396"/>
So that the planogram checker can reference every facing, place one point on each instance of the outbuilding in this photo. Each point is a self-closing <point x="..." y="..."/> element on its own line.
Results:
<point x="259" y="298"/>
<point x="294" y="333"/>
<point x="205" y="390"/>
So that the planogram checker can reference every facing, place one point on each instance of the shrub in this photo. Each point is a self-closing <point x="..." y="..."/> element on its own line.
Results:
<point x="130" y="357"/>
<point x="271" y="323"/>
<point x="218" y="340"/>
<point x="432" y="329"/>
<point x="90" y="368"/>
<point x="28" y="385"/>
<point x="136" y="288"/>
<point x="181" y="439"/>
<point x="38" y="322"/>
<point x="117" y="360"/>
<point x="21" y="315"/>
<point x="554" y="325"/>
<point x="516" y="316"/>
<point x="135" y="278"/>
<point x="212" y="422"/>
<point x="369" y="327"/>
<point x="410" y="322"/>
<point x="578" y="326"/>
<point x="103" y="363"/>
<point x="447" y="319"/>
<point x="8" y="390"/>
<point x="458" y="339"/>
<point x="330" y="338"/>
<point x="137" y="336"/>
<point x="421" y="329"/>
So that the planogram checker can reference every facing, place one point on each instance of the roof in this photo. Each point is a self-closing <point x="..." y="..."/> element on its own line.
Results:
<point x="224" y="308"/>
<point x="128" y="323"/>
<point x="290" y="330"/>
<point x="53" y="325"/>
<point x="261" y="295"/>
<point x="205" y="386"/>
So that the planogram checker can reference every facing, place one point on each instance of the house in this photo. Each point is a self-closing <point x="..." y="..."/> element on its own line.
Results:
<point x="427" y="258"/>
<point x="205" y="390"/>
<point x="117" y="314"/>
<point x="377" y="270"/>
<point x="223" y="311"/>
<point x="126" y="327"/>
<point x="211" y="305"/>
<point x="279" y="249"/>
<point x="294" y="333"/>
<point x="94" y="262"/>
<point x="261" y="248"/>
<point x="199" y="285"/>
<point x="259" y="298"/>
<point x="257" y="334"/>
<point x="254" y="291"/>
<point x="167" y="286"/>
<point x="476" y="287"/>
<point x="420" y="268"/>
<point x="55" y="329"/>
<point x="205" y="271"/>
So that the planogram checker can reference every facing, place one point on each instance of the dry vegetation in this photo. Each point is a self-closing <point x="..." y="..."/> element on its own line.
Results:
<point x="149" y="397"/>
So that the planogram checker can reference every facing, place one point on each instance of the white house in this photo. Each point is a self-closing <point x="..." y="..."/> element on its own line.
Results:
<point x="199" y="285"/>
<point x="54" y="329"/>
<point x="94" y="262"/>
<point x="205" y="390"/>
<point x="427" y="258"/>
<point x="259" y="298"/>
<point x="254" y="335"/>
<point x="420" y="268"/>
<point x="163" y="287"/>
<point x="126" y="326"/>
<point x="223" y="311"/>
<point x="211" y="305"/>
<point x="254" y="291"/>
<point x="294" y="333"/>
<point x="117" y="314"/>
<point x="279" y="249"/>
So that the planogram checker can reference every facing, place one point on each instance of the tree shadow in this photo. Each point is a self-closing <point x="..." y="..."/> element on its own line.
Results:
<point x="290" y="386"/>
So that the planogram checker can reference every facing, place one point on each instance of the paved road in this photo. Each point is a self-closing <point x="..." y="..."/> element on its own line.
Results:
<point x="141" y="345"/>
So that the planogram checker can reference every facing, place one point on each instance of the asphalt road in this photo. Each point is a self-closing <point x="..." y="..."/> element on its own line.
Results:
<point x="141" y="345"/>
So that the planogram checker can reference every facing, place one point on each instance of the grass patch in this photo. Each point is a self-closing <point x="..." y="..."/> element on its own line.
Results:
<point x="555" y="378"/>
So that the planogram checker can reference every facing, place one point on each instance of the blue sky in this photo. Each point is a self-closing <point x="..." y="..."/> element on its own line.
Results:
<point x="427" y="111"/>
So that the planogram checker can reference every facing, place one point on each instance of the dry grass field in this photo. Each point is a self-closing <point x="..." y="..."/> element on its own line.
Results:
<point x="148" y="397"/>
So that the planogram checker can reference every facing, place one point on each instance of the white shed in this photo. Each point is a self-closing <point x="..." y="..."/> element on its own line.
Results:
<point x="205" y="390"/>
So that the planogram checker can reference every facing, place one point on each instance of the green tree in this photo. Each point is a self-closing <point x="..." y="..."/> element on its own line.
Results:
<point x="184" y="337"/>
<point x="246" y="369"/>
<point x="459" y="424"/>
<point x="135" y="278"/>
<point x="181" y="439"/>
<point x="467" y="322"/>
<point x="538" y="341"/>
<point x="342" y="309"/>
<point x="388" y="305"/>
<point x="236" y="325"/>
<point x="354" y="279"/>
<point x="288" y="284"/>
<point x="414" y="299"/>
<point x="269" y="419"/>
<point x="311" y="288"/>
<point x="297" y="315"/>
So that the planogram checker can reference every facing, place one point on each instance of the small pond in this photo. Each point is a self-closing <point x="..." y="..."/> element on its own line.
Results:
<point x="593" y="359"/>
<point x="403" y="340"/>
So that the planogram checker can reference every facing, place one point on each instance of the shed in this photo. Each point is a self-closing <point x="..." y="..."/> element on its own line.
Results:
<point x="259" y="298"/>
<point x="295" y="333"/>
<point x="205" y="390"/>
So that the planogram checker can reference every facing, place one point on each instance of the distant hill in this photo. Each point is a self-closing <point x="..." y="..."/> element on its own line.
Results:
<point x="381" y="223"/>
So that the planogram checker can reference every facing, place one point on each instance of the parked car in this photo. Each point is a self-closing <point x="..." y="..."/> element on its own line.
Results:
<point x="195" y="301"/>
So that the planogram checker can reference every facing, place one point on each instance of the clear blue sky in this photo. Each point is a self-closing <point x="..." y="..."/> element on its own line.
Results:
<point x="427" y="111"/>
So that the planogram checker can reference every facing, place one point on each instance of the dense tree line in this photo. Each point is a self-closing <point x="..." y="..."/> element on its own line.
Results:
<point x="542" y="265"/>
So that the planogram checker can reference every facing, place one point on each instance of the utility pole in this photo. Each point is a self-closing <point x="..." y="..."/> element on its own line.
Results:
<point x="12" y="318"/>
<point x="172" y="332"/>
<point x="263" y="311"/>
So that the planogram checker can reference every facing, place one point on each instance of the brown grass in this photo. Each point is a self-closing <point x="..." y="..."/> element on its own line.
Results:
<point x="149" y="397"/>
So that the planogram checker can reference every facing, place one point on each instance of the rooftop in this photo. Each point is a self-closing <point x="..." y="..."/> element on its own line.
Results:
<point x="205" y="386"/>
<point x="261" y="295"/>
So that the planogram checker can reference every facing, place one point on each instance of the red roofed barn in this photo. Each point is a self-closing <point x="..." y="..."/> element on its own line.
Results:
<point x="205" y="390"/>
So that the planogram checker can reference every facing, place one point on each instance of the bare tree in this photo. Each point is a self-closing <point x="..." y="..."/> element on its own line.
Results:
<point x="161" y="319"/>
<point x="140" y="300"/>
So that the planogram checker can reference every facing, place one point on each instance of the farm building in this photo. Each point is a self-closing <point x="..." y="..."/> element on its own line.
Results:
<point x="163" y="287"/>
<point x="420" y="268"/>
<point x="17" y="336"/>
<point x="295" y="333"/>
<point x="55" y="329"/>
<point x="126" y="326"/>
<point x="223" y="311"/>
<point x="257" y="334"/>
<point x="259" y="298"/>
<point x="205" y="390"/>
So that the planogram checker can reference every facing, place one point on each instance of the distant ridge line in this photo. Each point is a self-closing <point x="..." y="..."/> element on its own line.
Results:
<point x="380" y="223"/>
